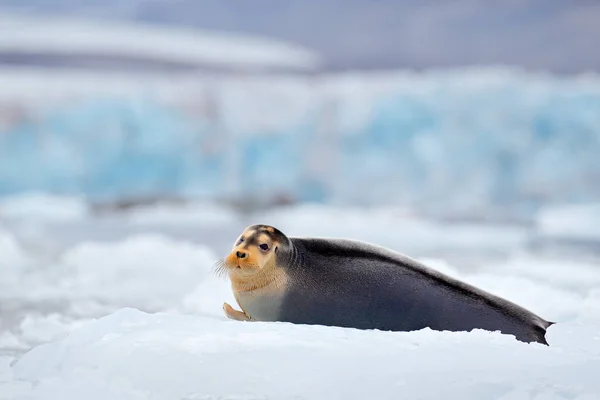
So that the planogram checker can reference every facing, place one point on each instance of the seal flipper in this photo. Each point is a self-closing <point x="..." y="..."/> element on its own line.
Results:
<point x="234" y="314"/>
<point x="541" y="331"/>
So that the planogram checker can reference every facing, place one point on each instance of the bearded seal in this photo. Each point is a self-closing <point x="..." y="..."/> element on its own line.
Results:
<point x="353" y="284"/>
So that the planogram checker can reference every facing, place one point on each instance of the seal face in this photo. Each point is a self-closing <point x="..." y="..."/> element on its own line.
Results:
<point x="257" y="280"/>
<point x="338" y="282"/>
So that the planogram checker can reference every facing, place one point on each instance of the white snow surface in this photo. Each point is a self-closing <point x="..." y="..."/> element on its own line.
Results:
<point x="137" y="315"/>
<point x="575" y="221"/>
<point x="134" y="355"/>
<point x="12" y="259"/>
<point x="42" y="206"/>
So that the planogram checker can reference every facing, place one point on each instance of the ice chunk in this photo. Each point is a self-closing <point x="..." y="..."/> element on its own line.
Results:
<point x="576" y="221"/>
<point x="195" y="214"/>
<point x="48" y="328"/>
<point x="12" y="259"/>
<point x="43" y="207"/>
<point x="149" y="271"/>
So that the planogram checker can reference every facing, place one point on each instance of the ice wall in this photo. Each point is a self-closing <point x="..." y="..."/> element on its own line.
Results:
<point x="444" y="142"/>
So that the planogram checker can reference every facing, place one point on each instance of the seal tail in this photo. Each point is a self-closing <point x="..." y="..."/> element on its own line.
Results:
<point x="540" y="332"/>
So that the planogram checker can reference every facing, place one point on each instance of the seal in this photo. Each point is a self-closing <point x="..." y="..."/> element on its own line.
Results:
<point x="353" y="284"/>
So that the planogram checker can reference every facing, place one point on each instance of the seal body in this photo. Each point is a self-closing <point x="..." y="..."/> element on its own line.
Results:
<point x="345" y="283"/>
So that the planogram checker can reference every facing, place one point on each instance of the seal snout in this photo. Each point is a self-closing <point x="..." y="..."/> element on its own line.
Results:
<point x="240" y="254"/>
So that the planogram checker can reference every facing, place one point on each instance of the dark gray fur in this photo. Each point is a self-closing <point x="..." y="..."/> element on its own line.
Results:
<point x="345" y="283"/>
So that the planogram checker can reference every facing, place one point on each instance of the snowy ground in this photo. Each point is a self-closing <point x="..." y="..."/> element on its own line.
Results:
<point x="125" y="306"/>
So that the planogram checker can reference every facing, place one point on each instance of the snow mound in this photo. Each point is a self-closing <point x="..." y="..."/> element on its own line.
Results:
<point x="9" y="388"/>
<point x="577" y="221"/>
<point x="10" y="341"/>
<point x="134" y="355"/>
<point x="13" y="259"/>
<point x="392" y="227"/>
<point x="43" y="207"/>
<point x="146" y="271"/>
<point x="186" y="214"/>
<point x="41" y="329"/>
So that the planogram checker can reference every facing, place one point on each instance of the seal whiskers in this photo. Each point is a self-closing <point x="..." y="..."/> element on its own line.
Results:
<point x="220" y="269"/>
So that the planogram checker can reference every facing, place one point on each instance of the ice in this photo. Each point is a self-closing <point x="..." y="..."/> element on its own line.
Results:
<point x="130" y="354"/>
<point x="208" y="297"/>
<point x="10" y="389"/>
<point x="36" y="329"/>
<point x="9" y="340"/>
<point x="43" y="207"/>
<point x="575" y="221"/>
<point x="13" y="259"/>
<point x="137" y="315"/>
<point x="5" y="372"/>
<point x="149" y="271"/>
<point x="193" y="214"/>
<point x="388" y="226"/>
<point x="482" y="143"/>
<point x="42" y="329"/>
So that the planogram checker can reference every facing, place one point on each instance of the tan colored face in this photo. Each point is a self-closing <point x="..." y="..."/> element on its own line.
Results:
<point x="253" y="251"/>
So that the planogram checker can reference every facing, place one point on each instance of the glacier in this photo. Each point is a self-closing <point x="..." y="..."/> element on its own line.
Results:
<point x="455" y="142"/>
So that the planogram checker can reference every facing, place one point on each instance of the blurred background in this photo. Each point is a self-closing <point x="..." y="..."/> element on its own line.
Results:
<point x="466" y="132"/>
<point x="457" y="110"/>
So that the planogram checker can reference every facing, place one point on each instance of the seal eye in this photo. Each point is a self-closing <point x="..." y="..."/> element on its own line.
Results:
<point x="264" y="247"/>
<point x="240" y="241"/>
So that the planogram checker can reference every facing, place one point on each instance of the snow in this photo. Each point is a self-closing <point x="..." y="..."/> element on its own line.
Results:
<point x="186" y="214"/>
<point x="124" y="304"/>
<point x="137" y="314"/>
<point x="23" y="33"/>
<point x="130" y="354"/>
<point x="42" y="206"/>
<point x="488" y="143"/>
<point x="414" y="232"/>
<point x="12" y="261"/>
<point x="139" y="262"/>
<point x="148" y="271"/>
<point x="574" y="221"/>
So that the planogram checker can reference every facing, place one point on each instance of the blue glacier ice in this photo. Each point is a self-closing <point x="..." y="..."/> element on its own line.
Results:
<point x="445" y="143"/>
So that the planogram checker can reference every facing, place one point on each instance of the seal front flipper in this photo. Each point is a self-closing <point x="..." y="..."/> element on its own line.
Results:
<point x="231" y="313"/>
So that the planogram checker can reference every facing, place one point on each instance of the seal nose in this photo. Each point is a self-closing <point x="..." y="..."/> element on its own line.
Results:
<point x="240" y="254"/>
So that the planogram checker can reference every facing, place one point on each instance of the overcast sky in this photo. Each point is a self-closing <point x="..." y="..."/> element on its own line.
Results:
<point x="557" y="35"/>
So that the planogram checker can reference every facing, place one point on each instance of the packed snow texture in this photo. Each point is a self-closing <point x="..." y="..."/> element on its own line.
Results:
<point x="450" y="142"/>
<point x="133" y="355"/>
<point x="136" y="313"/>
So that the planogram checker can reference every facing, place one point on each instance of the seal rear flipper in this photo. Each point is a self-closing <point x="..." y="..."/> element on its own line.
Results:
<point x="542" y="332"/>
<point x="548" y="324"/>
<point x="537" y="334"/>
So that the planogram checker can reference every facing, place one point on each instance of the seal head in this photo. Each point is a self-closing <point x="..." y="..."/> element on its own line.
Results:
<point x="257" y="280"/>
